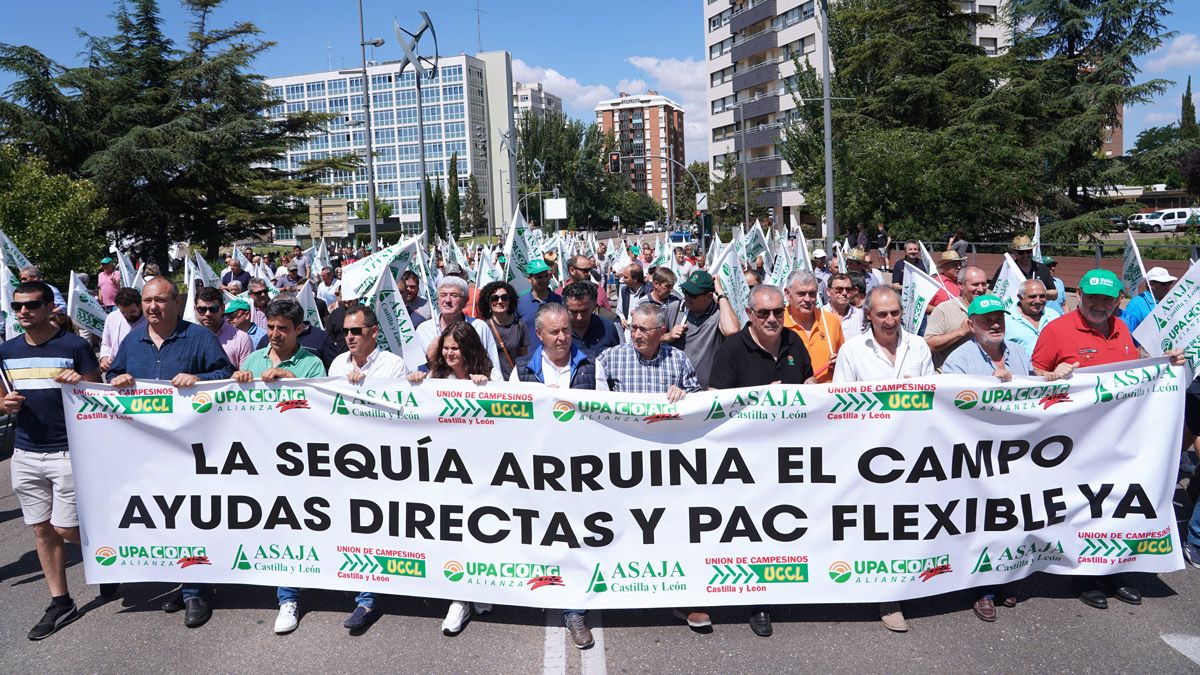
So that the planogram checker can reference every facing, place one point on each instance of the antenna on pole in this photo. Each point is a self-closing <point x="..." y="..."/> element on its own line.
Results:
<point x="478" y="26"/>
<point x="329" y="54"/>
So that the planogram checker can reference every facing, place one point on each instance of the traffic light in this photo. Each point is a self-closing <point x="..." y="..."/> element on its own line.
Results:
<point x="614" y="162"/>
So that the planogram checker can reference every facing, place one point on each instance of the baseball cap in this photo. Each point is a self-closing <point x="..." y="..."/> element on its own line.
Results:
<point x="819" y="253"/>
<point x="453" y="269"/>
<point x="1160" y="274"/>
<point x="105" y="260"/>
<point x="536" y="266"/>
<point x="635" y="249"/>
<point x="985" y="304"/>
<point x="236" y="305"/>
<point x="698" y="282"/>
<point x="1100" y="282"/>
<point x="1048" y="261"/>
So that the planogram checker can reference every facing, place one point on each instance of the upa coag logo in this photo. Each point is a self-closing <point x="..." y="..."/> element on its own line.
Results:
<point x="966" y="399"/>
<point x="503" y="574"/>
<point x="627" y="411"/>
<point x="890" y="571"/>
<point x="202" y="402"/>
<point x="280" y="399"/>
<point x="1013" y="399"/>
<point x="564" y="411"/>
<point x="454" y="570"/>
<point x="106" y="555"/>
<point x="840" y="571"/>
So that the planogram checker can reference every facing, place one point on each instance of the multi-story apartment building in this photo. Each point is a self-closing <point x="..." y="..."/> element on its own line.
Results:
<point x="531" y="98"/>
<point x="647" y="128"/>
<point x="458" y="113"/>
<point x="749" y="45"/>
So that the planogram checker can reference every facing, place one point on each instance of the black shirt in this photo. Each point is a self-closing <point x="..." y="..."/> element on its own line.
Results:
<point x="1039" y="272"/>
<point x="740" y="362"/>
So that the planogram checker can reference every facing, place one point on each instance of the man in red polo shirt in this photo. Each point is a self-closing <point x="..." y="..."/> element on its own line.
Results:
<point x="1092" y="336"/>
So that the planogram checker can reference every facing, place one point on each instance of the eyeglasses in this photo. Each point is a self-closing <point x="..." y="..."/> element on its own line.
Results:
<point x="31" y="305"/>
<point x="762" y="314"/>
<point x="805" y="294"/>
<point x="259" y="293"/>
<point x="634" y="328"/>
<point x="358" y="330"/>
<point x="840" y="289"/>
<point x="582" y="269"/>
<point x="208" y="309"/>
<point x="499" y="298"/>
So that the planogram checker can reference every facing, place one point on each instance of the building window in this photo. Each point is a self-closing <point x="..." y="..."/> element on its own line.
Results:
<point x="341" y="104"/>
<point x="407" y="79"/>
<point x="317" y="106"/>
<point x="406" y="134"/>
<point x="386" y="154"/>
<point x="455" y="129"/>
<point x="433" y="131"/>
<point x="454" y="93"/>
<point x="406" y="116"/>
<point x="409" y="152"/>
<point x="988" y="45"/>
<point x="382" y="100"/>
<point x="454" y="111"/>
<point x="356" y="85"/>
<point x="381" y="82"/>
<point x="720" y="48"/>
<point x="336" y="86"/>
<point x="406" y="97"/>
<point x="452" y="74"/>
<point x="385" y="136"/>
<point x="295" y="91"/>
<point x="295" y="107"/>
<point x="316" y="89"/>
<point x="384" y="117"/>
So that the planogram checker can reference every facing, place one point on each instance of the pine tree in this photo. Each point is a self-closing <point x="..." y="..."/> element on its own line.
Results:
<point x="1187" y="117"/>
<point x="474" y="214"/>
<point x="438" y="211"/>
<point x="453" y="203"/>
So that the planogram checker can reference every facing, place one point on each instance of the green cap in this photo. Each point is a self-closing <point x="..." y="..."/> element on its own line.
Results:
<point x="985" y="304"/>
<point x="235" y="305"/>
<point x="635" y="249"/>
<point x="697" y="283"/>
<point x="1100" y="282"/>
<point x="105" y="260"/>
<point x="1048" y="261"/>
<point x="536" y="266"/>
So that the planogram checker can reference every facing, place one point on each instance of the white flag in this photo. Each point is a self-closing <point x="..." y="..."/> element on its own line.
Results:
<point x="918" y="291"/>
<point x="781" y="268"/>
<point x="8" y="282"/>
<point x="457" y="255"/>
<point x="1037" y="238"/>
<point x="756" y="245"/>
<point x="930" y="263"/>
<point x="189" y="308"/>
<point x="128" y="273"/>
<point x="207" y="276"/>
<point x="487" y="271"/>
<point x="239" y="256"/>
<point x="139" y="278"/>
<point x="360" y="276"/>
<point x="396" y="331"/>
<point x="14" y="255"/>
<point x="516" y="254"/>
<point x="803" y="256"/>
<point x="83" y="309"/>
<point x="1133" y="273"/>
<point x="728" y="269"/>
<point x="841" y="257"/>
<point x="1008" y="282"/>
<point x="308" y="300"/>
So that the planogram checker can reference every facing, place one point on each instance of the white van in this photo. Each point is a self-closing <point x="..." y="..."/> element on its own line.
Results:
<point x="1167" y="220"/>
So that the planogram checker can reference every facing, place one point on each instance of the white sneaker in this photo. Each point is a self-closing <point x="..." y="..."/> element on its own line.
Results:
<point x="288" y="618"/>
<point x="482" y="608"/>
<point x="456" y="616"/>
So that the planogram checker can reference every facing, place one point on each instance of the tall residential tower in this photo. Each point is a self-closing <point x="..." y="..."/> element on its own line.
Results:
<point x="647" y="128"/>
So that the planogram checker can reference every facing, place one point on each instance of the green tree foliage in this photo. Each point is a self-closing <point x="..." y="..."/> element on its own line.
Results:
<point x="172" y="136"/>
<point x="685" y="190"/>
<point x="573" y="155"/>
<point x="1155" y="157"/>
<point x="437" y="211"/>
<point x="50" y="217"/>
<point x="1189" y="168"/>
<point x="475" y="215"/>
<point x="726" y="197"/>
<point x="453" y="203"/>
<point x="1187" y="117"/>
<point x="383" y="210"/>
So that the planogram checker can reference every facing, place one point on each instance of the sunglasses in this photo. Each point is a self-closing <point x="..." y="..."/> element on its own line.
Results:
<point x="207" y="309"/>
<point x="500" y="298"/>
<point x="358" y="330"/>
<point x="30" y="305"/>
<point x="259" y="293"/>
<point x="764" y="313"/>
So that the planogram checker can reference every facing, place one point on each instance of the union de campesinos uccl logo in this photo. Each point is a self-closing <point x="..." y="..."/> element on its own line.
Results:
<point x="867" y="401"/>
<point x="531" y="576"/>
<point x="484" y="409"/>
<point x="1014" y="399"/>
<point x="277" y="399"/>
<point x="92" y="406"/>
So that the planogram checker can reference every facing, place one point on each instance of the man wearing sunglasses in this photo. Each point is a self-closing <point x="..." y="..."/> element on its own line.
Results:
<point x="707" y="320"/>
<point x="841" y="296"/>
<point x="38" y="362"/>
<point x="540" y="294"/>
<point x="210" y="313"/>
<point x="237" y="313"/>
<point x="582" y="268"/>
<point x="1029" y="316"/>
<point x="1021" y="250"/>
<point x="260" y="295"/>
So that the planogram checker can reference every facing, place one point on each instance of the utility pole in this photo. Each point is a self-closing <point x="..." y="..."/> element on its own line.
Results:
<point x="830" y="223"/>
<point x="362" y="45"/>
<point x="422" y="67"/>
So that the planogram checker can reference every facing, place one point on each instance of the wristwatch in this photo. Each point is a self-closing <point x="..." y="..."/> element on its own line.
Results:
<point x="721" y="297"/>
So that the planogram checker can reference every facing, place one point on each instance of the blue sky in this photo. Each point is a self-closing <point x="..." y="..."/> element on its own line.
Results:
<point x="582" y="51"/>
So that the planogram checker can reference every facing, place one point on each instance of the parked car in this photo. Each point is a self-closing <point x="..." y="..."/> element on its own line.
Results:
<point x="1134" y="222"/>
<point x="681" y="237"/>
<point x="1167" y="220"/>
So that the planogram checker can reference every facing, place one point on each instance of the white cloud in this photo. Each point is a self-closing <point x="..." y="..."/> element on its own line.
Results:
<point x="579" y="100"/>
<point x="686" y="82"/>
<point x="1182" y="52"/>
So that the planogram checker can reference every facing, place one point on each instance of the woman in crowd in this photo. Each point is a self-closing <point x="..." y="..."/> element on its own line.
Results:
<point x="498" y="307"/>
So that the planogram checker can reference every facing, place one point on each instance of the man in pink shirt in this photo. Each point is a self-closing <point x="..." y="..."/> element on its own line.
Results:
<point x="118" y="324"/>
<point x="210" y="313"/>
<point x="109" y="282"/>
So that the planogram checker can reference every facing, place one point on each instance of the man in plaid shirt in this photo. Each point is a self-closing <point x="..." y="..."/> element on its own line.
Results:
<point x="645" y="365"/>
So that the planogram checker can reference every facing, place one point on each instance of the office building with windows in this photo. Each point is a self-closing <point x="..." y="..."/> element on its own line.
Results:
<point x="750" y="45"/>
<point x="647" y="128"/>
<point x="531" y="98"/>
<point x="457" y="119"/>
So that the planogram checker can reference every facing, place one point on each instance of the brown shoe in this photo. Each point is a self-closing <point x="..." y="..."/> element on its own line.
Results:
<point x="577" y="626"/>
<point x="1010" y="599"/>
<point x="694" y="618"/>
<point x="985" y="609"/>
<point x="893" y="617"/>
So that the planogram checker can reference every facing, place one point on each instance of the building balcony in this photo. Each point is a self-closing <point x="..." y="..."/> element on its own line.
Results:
<point x="755" y="44"/>
<point x="764" y="105"/>
<point x="764" y="167"/>
<point x="763" y="9"/>
<point x="752" y="77"/>
<point x="755" y="137"/>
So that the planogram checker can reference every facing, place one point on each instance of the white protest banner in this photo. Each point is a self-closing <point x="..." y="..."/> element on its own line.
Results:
<point x="457" y="255"/>
<point x="519" y="494"/>
<point x="240" y="256"/>
<point x="189" y="305"/>
<point x="930" y="263"/>
<point x="727" y="269"/>
<point x="1174" y="323"/>
<point x="397" y="334"/>
<point x="803" y="256"/>
<point x="128" y="273"/>
<point x="358" y="277"/>
<point x="487" y="271"/>
<point x="517" y="254"/>
<point x="917" y="292"/>
<point x="13" y="253"/>
<point x="84" y="310"/>
<point x="756" y="245"/>
<point x="781" y="268"/>
<point x="841" y="252"/>
<point x="1008" y="282"/>
<point x="1133" y="272"/>
<point x="308" y="300"/>
<point x="8" y="282"/>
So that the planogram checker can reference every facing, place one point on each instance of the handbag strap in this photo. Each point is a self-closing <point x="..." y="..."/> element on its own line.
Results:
<point x="496" y="334"/>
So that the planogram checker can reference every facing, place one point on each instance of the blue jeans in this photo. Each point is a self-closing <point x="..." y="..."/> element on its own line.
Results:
<point x="1193" y="536"/>
<point x="287" y="594"/>
<point x="189" y="591"/>
<point x="568" y="612"/>
<point x="366" y="599"/>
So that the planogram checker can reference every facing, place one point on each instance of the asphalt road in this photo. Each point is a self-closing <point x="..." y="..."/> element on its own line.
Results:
<point x="1050" y="631"/>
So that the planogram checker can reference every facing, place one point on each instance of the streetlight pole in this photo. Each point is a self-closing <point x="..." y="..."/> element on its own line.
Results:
<point x="422" y="67"/>
<point x="830" y="223"/>
<point x="362" y="45"/>
<point x="742" y="165"/>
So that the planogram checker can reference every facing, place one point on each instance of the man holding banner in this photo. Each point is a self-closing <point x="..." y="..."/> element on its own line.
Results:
<point x="37" y="362"/>
<point x="819" y="330"/>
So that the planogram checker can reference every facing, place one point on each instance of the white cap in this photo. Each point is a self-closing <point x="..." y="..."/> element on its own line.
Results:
<point x="818" y="253"/>
<point x="1159" y="274"/>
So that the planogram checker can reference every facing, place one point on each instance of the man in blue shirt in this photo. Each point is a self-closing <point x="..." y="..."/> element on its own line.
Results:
<point x="592" y="332"/>
<point x="1059" y="302"/>
<point x="1160" y="282"/>
<point x="36" y="363"/>
<point x="169" y="348"/>
<point x="1029" y="316"/>
<point x="527" y="305"/>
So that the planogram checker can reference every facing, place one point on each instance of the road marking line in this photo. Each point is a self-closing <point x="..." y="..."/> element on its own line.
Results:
<point x="1188" y="645"/>
<point x="554" y="656"/>
<point x="594" y="660"/>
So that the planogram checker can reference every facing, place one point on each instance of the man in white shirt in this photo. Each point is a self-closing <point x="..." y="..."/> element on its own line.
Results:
<point x="452" y="293"/>
<point x="364" y="358"/>
<point x="327" y="289"/>
<point x="886" y="351"/>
